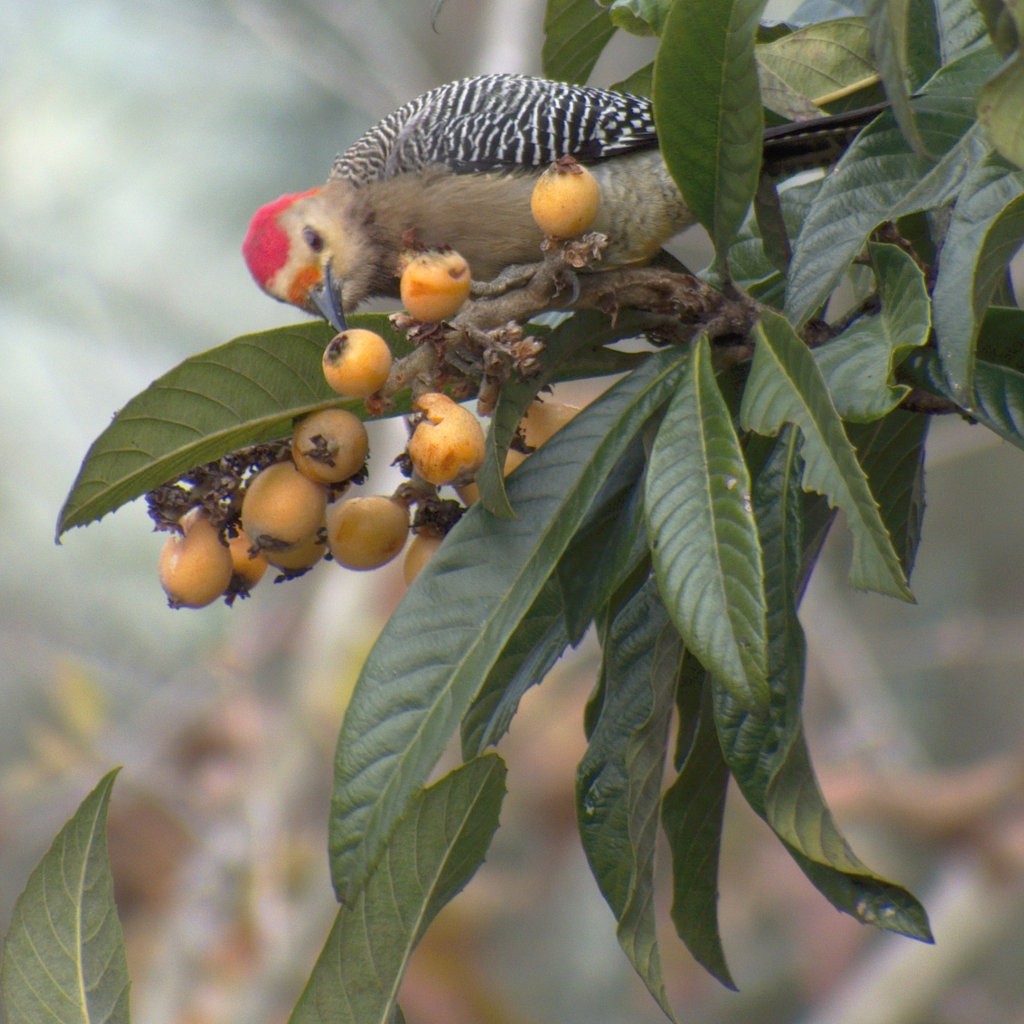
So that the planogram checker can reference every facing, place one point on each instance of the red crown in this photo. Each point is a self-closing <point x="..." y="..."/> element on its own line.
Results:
<point x="266" y="244"/>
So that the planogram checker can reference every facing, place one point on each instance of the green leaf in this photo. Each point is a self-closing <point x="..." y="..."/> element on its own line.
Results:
<point x="244" y="392"/>
<point x="691" y="815"/>
<point x="889" y="22"/>
<point x="706" y="109"/>
<point x="882" y="475"/>
<point x="1001" y="338"/>
<point x="526" y="659"/>
<point x="997" y="401"/>
<point x="891" y="450"/>
<point x="923" y="55"/>
<point x="639" y="83"/>
<point x="797" y="813"/>
<point x="586" y="330"/>
<point x="640" y="17"/>
<point x="879" y="178"/>
<point x="575" y="33"/>
<point x="767" y="753"/>
<point x="1000" y="108"/>
<point x="751" y="743"/>
<point x="771" y="224"/>
<point x="985" y="230"/>
<point x="903" y="292"/>
<point x="751" y="268"/>
<point x="856" y="367"/>
<point x="443" y="640"/>
<point x="63" y="958"/>
<point x="609" y="545"/>
<point x="782" y="99"/>
<point x="1000" y="25"/>
<point x="602" y="627"/>
<point x="599" y="362"/>
<point x="820" y="59"/>
<point x="618" y="782"/>
<point x="961" y="26"/>
<point x="707" y="556"/>
<point x="1016" y="11"/>
<point x="786" y="386"/>
<point x="606" y="615"/>
<point x="435" y="850"/>
<point x="858" y="364"/>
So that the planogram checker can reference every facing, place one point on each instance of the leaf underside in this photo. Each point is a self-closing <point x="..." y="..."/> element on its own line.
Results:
<point x="64" y="957"/>
<point x="435" y="850"/>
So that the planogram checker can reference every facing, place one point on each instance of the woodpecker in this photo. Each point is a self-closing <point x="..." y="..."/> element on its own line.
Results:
<point x="456" y="166"/>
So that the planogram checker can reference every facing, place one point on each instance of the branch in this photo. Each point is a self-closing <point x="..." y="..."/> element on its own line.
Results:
<point x="680" y="302"/>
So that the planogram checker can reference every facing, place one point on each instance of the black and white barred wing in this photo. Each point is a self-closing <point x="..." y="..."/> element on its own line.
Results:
<point x="499" y="122"/>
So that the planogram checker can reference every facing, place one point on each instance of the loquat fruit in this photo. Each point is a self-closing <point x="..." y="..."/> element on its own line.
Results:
<point x="421" y="549"/>
<point x="540" y="421"/>
<point x="565" y="199"/>
<point x="330" y="445"/>
<point x="299" y="557"/>
<point x="357" y="362"/>
<point x="447" y="445"/>
<point x="543" y="419"/>
<point x="364" y="533"/>
<point x="247" y="569"/>
<point x="282" y="507"/>
<point x="434" y="285"/>
<point x="195" y="566"/>
<point x="470" y="493"/>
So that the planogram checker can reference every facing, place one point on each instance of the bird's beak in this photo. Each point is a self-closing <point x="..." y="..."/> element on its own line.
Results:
<point x="327" y="299"/>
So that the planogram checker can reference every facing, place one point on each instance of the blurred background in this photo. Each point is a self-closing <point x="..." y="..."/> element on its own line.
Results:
<point x="137" y="140"/>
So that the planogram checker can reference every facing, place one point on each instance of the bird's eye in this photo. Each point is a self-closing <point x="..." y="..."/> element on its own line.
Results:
<point x="313" y="239"/>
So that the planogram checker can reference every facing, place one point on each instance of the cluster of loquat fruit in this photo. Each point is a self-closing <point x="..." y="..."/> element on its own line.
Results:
<point x="286" y="507"/>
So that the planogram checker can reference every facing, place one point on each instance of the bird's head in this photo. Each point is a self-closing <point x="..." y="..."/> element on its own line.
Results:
<point x="290" y="252"/>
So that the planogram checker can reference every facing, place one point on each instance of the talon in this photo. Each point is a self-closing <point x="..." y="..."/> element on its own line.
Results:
<point x="571" y="278"/>
<point x="514" y="276"/>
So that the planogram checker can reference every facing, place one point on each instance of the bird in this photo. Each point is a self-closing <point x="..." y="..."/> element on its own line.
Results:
<point x="455" y="168"/>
